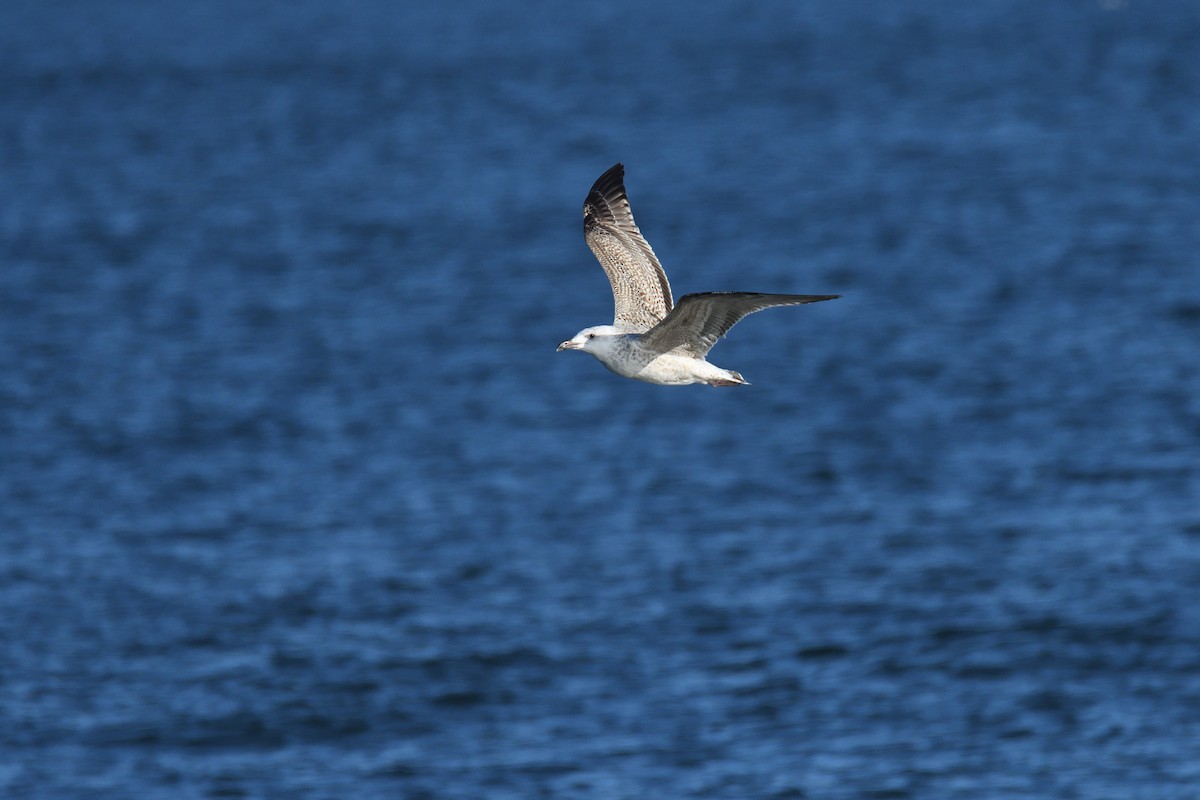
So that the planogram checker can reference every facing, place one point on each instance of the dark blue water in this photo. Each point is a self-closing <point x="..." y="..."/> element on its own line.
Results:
<point x="297" y="500"/>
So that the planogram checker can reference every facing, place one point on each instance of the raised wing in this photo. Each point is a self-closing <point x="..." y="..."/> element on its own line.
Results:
<point x="695" y="325"/>
<point x="641" y="294"/>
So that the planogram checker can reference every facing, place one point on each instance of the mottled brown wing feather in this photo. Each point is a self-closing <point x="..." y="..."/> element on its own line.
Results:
<point x="641" y="294"/>
<point x="699" y="320"/>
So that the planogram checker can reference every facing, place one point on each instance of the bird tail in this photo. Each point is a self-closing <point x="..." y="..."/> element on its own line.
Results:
<point x="731" y="379"/>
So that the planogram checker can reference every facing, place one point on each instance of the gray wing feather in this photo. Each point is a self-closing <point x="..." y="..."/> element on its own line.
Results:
<point x="699" y="320"/>
<point x="641" y="294"/>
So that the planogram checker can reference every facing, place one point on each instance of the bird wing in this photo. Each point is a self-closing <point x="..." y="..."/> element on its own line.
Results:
<point x="699" y="320"/>
<point x="641" y="294"/>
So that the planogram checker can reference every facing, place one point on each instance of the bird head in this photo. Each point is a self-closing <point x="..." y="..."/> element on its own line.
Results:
<point x="591" y="340"/>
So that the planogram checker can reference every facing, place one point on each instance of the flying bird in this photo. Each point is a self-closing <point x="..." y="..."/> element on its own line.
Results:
<point x="651" y="339"/>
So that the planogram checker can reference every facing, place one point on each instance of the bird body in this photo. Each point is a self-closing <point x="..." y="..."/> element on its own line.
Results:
<point x="652" y="339"/>
<point x="626" y="355"/>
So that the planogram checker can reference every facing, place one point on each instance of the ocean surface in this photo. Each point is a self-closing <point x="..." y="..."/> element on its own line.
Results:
<point x="298" y="501"/>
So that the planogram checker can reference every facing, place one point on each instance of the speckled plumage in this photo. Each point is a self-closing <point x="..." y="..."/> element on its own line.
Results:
<point x="641" y="293"/>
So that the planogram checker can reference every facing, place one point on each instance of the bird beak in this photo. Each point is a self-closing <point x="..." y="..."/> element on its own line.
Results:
<point x="567" y="345"/>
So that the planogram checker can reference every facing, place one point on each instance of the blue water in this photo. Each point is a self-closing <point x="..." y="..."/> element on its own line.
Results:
<point x="297" y="500"/>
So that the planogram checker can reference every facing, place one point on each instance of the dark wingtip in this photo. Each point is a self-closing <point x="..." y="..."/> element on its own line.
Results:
<point x="812" y="298"/>
<point x="613" y="178"/>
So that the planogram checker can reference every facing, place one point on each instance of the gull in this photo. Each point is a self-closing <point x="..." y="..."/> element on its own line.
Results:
<point x="651" y="339"/>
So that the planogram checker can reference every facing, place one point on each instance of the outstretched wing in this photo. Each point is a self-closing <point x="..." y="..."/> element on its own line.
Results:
<point x="699" y="320"/>
<point x="641" y="294"/>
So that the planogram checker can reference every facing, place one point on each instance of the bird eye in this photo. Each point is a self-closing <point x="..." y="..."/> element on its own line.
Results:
<point x="591" y="336"/>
